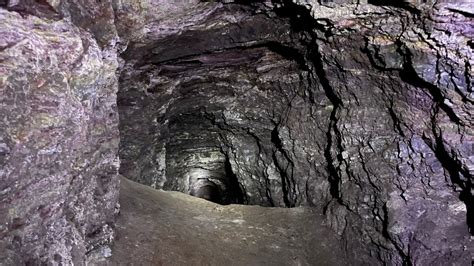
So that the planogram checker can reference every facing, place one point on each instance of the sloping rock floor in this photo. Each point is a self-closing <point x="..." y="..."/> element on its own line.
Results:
<point x="170" y="228"/>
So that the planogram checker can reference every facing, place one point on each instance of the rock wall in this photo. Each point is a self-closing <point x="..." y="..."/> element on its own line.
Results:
<point x="361" y="110"/>
<point x="58" y="137"/>
<point x="400" y="138"/>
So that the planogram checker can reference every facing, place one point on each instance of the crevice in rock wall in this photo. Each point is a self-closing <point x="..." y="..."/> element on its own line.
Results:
<point x="397" y="122"/>
<point x="406" y="259"/>
<point x="332" y="133"/>
<point x="409" y="75"/>
<point x="409" y="5"/>
<point x="285" y="168"/>
<point x="464" y="13"/>
<point x="459" y="176"/>
<point x="467" y="70"/>
<point x="235" y="192"/>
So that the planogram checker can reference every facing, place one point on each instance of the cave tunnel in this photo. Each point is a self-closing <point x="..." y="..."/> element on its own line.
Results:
<point x="275" y="132"/>
<point x="210" y="97"/>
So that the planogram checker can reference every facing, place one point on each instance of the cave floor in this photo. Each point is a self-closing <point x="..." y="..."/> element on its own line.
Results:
<point x="170" y="228"/>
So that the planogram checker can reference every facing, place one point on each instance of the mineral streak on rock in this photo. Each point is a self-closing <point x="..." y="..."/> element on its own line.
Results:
<point x="361" y="110"/>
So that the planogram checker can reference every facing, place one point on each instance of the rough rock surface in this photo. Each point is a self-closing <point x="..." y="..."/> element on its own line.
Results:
<point x="360" y="110"/>
<point x="170" y="228"/>
<point x="58" y="140"/>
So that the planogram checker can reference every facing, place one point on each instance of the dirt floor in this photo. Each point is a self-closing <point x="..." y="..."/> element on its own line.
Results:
<point x="170" y="228"/>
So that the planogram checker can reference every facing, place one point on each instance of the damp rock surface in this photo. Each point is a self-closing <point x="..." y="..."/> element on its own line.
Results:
<point x="171" y="228"/>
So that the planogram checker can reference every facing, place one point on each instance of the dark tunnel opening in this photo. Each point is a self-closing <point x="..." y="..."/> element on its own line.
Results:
<point x="196" y="105"/>
<point x="220" y="185"/>
<point x="207" y="190"/>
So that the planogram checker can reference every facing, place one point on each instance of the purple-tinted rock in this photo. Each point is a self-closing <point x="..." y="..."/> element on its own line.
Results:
<point x="59" y="140"/>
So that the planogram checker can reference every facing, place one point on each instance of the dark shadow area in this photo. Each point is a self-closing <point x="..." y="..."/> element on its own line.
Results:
<point x="396" y="3"/>
<point x="208" y="191"/>
<point x="234" y="193"/>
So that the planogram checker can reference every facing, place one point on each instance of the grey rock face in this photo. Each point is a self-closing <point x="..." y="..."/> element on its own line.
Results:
<point x="361" y="111"/>
<point x="193" y="102"/>
<point x="58" y="140"/>
<point x="417" y="152"/>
